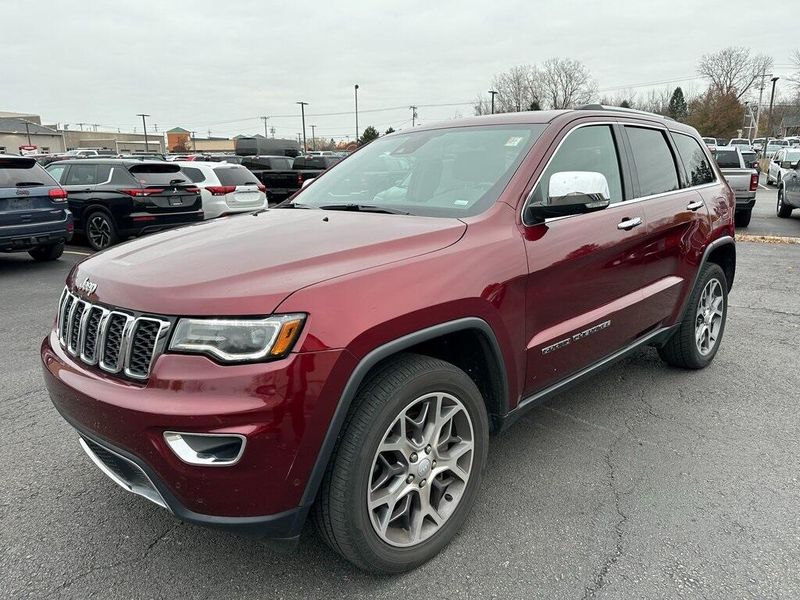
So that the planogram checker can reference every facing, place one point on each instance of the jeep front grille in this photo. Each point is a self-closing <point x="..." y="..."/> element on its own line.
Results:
<point x="116" y="341"/>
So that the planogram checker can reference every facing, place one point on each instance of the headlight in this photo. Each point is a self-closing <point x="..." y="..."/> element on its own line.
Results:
<point x="238" y="340"/>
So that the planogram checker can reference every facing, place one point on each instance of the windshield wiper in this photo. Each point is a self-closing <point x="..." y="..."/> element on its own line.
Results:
<point x="29" y="183"/>
<point x="364" y="208"/>
<point x="287" y="204"/>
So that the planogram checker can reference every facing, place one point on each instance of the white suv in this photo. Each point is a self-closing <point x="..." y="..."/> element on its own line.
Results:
<point x="225" y="188"/>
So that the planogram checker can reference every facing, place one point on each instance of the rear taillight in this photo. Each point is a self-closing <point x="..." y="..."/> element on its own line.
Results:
<point x="221" y="190"/>
<point x="192" y="189"/>
<point x="299" y="180"/>
<point x="142" y="192"/>
<point x="59" y="194"/>
<point x="261" y="187"/>
<point x="753" y="182"/>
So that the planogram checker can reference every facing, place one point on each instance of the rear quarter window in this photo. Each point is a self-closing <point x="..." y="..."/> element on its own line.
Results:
<point x="234" y="176"/>
<point x="194" y="174"/>
<point x="694" y="159"/>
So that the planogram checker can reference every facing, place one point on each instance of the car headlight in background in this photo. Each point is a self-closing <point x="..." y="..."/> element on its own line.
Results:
<point x="238" y="340"/>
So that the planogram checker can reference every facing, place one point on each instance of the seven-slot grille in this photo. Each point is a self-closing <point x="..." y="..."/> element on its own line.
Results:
<point x="116" y="341"/>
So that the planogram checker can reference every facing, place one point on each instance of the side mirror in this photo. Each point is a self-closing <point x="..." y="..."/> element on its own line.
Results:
<point x="307" y="182"/>
<point x="786" y="164"/>
<point x="572" y="193"/>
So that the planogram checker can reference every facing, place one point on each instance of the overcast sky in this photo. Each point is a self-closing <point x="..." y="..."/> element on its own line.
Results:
<point x="219" y="65"/>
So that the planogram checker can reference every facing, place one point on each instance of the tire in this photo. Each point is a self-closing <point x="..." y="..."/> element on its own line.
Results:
<point x="784" y="210"/>
<point x="397" y="391"/>
<point x="100" y="230"/>
<point x="48" y="252"/>
<point x="742" y="218"/>
<point x="683" y="349"/>
<point x="778" y="180"/>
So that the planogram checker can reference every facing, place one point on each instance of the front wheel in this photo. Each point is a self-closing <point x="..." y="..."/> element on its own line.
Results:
<point x="784" y="210"/>
<point x="408" y="466"/>
<point x="699" y="334"/>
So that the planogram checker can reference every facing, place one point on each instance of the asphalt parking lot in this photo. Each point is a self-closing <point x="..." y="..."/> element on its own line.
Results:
<point x="764" y="221"/>
<point x="645" y="482"/>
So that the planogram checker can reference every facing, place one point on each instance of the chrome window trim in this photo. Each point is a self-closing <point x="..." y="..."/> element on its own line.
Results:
<point x="158" y="346"/>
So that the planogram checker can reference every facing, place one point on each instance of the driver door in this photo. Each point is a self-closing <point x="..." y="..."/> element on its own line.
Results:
<point x="585" y="270"/>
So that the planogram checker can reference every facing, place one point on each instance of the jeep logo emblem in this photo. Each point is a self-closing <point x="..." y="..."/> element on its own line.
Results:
<point x="87" y="286"/>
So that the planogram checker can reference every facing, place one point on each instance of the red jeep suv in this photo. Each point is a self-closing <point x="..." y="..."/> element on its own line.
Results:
<point x="347" y="354"/>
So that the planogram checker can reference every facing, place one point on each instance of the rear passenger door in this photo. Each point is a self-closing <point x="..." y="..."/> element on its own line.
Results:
<point x="676" y="213"/>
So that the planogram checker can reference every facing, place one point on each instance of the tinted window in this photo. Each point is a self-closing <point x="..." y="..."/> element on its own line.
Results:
<point x="749" y="157"/>
<point x="655" y="166"/>
<point x="158" y="174"/>
<point x="584" y="149"/>
<point x="694" y="159"/>
<point x="194" y="174"/>
<point x="727" y="159"/>
<point x="57" y="172"/>
<point x="82" y="175"/>
<point x="103" y="173"/>
<point x="22" y="172"/>
<point x="234" y="176"/>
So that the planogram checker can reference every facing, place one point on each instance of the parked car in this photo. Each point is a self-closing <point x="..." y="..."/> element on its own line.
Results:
<point x="89" y="153"/>
<point x="793" y="141"/>
<point x="710" y="142"/>
<point x="349" y="355"/>
<point x="281" y="180"/>
<point x="751" y="159"/>
<point x="783" y="161"/>
<point x="261" y="146"/>
<point x="34" y="216"/>
<point x="789" y="192"/>
<point x="758" y="144"/>
<point x="225" y="188"/>
<point x="113" y="199"/>
<point x="774" y="146"/>
<point x="141" y="156"/>
<point x="741" y="143"/>
<point x="743" y="180"/>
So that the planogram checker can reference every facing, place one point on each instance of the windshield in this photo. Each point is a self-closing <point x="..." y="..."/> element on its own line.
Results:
<point x="456" y="172"/>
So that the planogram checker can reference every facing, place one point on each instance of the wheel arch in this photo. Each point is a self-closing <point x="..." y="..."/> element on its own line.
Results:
<point x="724" y="255"/>
<point x="445" y="341"/>
<point x="92" y="207"/>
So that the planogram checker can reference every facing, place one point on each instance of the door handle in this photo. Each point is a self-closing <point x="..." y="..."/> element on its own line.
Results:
<point x="695" y="205"/>
<point x="628" y="224"/>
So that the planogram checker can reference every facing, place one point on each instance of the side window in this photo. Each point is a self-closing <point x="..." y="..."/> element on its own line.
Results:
<point x="195" y="175"/>
<point x="57" y="172"/>
<point x="694" y="159"/>
<point x="82" y="175"/>
<point x="584" y="149"/>
<point x="103" y="173"/>
<point x="655" y="165"/>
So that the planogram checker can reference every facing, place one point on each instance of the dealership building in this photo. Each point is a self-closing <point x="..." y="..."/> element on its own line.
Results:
<point x="21" y="132"/>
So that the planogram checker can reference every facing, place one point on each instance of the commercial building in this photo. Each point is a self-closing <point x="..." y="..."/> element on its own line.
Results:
<point x="23" y="134"/>
<point x="123" y="143"/>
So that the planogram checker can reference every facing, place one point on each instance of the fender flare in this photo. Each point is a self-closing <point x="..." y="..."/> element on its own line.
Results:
<point x="717" y="243"/>
<point x="370" y="360"/>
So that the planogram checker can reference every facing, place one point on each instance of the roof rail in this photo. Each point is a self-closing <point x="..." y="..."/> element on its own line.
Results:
<point x="622" y="109"/>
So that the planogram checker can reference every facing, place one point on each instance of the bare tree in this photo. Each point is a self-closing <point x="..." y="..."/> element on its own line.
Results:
<point x="795" y="77"/>
<point x="517" y="89"/>
<point x="733" y="70"/>
<point x="481" y="105"/>
<point x="566" y="83"/>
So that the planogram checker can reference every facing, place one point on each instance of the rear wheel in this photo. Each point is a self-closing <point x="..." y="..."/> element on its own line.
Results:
<point x="100" y="230"/>
<point x="784" y="210"/>
<point x="47" y="252"/>
<point x="742" y="218"/>
<point x="696" y="341"/>
<point x="408" y="466"/>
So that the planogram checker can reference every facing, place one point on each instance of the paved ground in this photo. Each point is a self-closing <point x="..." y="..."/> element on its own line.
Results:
<point x="646" y="482"/>
<point x="765" y="221"/>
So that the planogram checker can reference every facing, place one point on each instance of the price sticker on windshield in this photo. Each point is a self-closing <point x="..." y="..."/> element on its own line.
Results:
<point x="514" y="141"/>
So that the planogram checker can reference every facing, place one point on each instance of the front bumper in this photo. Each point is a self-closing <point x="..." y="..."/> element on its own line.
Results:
<point x="283" y="408"/>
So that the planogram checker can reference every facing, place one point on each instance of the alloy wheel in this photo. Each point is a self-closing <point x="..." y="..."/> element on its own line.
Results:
<point x="708" y="322"/>
<point x="420" y="470"/>
<point x="99" y="231"/>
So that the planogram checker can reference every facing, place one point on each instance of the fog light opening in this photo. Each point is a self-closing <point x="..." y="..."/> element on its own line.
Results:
<point x="206" y="449"/>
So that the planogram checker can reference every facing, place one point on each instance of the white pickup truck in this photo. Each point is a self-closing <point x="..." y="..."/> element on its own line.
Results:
<point x="742" y="179"/>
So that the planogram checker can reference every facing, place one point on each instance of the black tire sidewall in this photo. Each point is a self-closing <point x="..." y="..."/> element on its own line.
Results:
<point x="381" y="555"/>
<point x="48" y="252"/>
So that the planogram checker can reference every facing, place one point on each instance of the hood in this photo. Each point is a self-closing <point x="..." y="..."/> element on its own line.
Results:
<point x="248" y="264"/>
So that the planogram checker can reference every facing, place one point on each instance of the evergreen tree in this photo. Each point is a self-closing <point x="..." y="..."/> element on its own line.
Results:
<point x="677" y="108"/>
<point x="388" y="131"/>
<point x="370" y="133"/>
<point x="624" y="104"/>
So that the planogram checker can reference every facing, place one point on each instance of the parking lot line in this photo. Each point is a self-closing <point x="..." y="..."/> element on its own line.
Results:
<point x="763" y="187"/>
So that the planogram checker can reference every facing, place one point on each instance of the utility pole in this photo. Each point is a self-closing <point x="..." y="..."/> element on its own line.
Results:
<point x="28" y="132"/>
<point x="194" y="145"/>
<point x="355" y="90"/>
<point x="272" y="131"/>
<point x="265" y="125"/>
<point x="303" y="117"/>
<point x="493" y="93"/>
<point x="760" y="96"/>
<point x="144" y="128"/>
<point x="313" y="137"/>
<point x="81" y="125"/>
<point x="413" y="115"/>
<point x="769" y="116"/>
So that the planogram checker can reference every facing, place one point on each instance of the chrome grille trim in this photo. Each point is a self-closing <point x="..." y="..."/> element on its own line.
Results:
<point x="76" y="333"/>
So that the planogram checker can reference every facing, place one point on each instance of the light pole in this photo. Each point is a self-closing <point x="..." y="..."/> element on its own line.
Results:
<point x="303" y="116"/>
<point x="265" y="125"/>
<point x="314" y="137"/>
<point x="769" y="116"/>
<point x="493" y="93"/>
<point x="413" y="115"/>
<point x="194" y="145"/>
<point x="355" y="91"/>
<point x="144" y="128"/>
